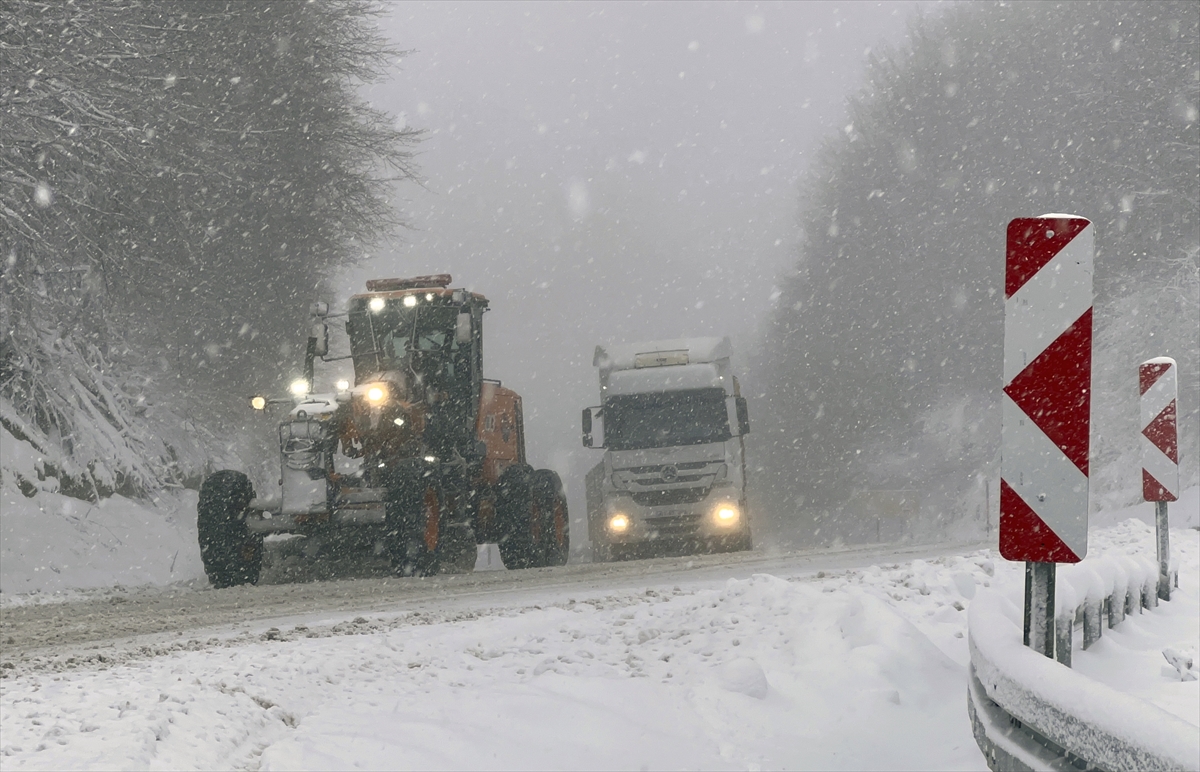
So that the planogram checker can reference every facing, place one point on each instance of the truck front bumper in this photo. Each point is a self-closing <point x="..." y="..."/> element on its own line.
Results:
<point x="708" y="520"/>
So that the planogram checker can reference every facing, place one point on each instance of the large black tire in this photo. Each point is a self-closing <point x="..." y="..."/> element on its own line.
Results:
<point x="553" y="531"/>
<point x="231" y="554"/>
<point x="456" y="548"/>
<point x="514" y="518"/>
<point x="413" y="515"/>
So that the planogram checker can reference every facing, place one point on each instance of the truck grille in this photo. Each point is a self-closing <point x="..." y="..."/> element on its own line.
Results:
<point x="670" y="497"/>
<point x="657" y="469"/>
<point x="674" y="526"/>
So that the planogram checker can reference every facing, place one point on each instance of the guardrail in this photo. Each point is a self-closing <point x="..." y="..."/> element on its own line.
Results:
<point x="1029" y="712"/>
<point x="1099" y="590"/>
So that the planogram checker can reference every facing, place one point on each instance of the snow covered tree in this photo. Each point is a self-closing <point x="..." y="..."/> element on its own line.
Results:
<point x="895" y="308"/>
<point x="176" y="181"/>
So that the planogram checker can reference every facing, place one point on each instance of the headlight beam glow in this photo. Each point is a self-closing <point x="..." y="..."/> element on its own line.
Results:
<point x="727" y="515"/>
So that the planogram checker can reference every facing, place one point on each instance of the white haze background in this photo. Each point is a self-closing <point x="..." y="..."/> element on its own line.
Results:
<point x="610" y="171"/>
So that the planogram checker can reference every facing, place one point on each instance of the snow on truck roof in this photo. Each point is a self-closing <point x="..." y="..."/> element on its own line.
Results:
<point x="662" y="353"/>
<point x="702" y="375"/>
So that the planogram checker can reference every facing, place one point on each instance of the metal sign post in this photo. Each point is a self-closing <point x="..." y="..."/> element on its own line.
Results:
<point x="1046" y="408"/>
<point x="1039" y="607"/>
<point x="1158" y="382"/>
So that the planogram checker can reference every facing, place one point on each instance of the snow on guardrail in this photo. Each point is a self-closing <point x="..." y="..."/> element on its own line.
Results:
<point x="1100" y="589"/>
<point x="1030" y="712"/>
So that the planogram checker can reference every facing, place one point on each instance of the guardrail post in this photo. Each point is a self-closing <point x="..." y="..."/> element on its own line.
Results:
<point x="1039" y="607"/>
<point x="1093" y="622"/>
<point x="1116" y="610"/>
<point x="1064" y="629"/>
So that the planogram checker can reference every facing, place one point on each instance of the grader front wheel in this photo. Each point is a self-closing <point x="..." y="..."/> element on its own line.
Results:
<point x="231" y="554"/>
<point x="414" y="522"/>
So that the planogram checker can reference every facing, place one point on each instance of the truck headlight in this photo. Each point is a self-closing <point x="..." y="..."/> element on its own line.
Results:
<point x="618" y="523"/>
<point x="377" y="393"/>
<point x="299" y="387"/>
<point x="726" y="515"/>
<point x="343" y="385"/>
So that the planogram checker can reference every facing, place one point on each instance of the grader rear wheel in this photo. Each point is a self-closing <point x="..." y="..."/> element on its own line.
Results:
<point x="514" y="518"/>
<point x="553" y="528"/>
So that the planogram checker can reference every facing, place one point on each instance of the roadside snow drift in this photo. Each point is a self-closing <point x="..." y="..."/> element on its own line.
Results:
<point x="51" y="545"/>
<point x="759" y="672"/>
<point x="858" y="669"/>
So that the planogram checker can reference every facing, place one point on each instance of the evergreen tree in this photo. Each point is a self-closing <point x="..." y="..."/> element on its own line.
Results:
<point x="894" y="314"/>
<point x="177" y="179"/>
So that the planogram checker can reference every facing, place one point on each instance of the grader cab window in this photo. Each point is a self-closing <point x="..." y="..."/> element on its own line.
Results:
<point x="389" y="339"/>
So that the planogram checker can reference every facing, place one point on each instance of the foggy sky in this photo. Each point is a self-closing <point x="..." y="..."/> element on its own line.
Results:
<point x="609" y="172"/>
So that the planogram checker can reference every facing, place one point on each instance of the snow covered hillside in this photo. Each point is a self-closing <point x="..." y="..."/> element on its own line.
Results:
<point x="52" y="545"/>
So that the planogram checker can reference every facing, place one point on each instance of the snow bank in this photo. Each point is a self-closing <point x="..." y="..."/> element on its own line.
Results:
<point x="1122" y="706"/>
<point x="835" y="672"/>
<point x="52" y="546"/>
<point x="1106" y="727"/>
<point x="857" y="669"/>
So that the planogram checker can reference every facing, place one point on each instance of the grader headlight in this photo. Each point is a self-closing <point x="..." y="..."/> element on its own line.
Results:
<point x="377" y="394"/>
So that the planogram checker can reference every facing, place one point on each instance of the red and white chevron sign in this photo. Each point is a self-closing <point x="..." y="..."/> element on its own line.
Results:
<point x="1160" y="439"/>
<point x="1047" y="389"/>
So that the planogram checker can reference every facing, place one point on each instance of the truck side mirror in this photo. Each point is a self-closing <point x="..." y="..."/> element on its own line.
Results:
<point x="590" y="414"/>
<point x="320" y="333"/>
<point x="462" y="328"/>
<point x="738" y="416"/>
<point x="743" y="416"/>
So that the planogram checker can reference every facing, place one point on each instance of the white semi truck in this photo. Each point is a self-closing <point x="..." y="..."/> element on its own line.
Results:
<point x="672" y="421"/>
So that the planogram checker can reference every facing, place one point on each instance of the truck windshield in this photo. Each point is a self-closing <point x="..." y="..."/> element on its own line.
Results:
<point x="664" y="419"/>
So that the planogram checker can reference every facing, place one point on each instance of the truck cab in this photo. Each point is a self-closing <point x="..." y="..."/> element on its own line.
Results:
<point x="672" y="422"/>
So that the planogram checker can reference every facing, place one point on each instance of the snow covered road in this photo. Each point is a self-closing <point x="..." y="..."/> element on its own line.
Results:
<point x="809" y="668"/>
<point x="114" y="623"/>
<point x="849" y="660"/>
